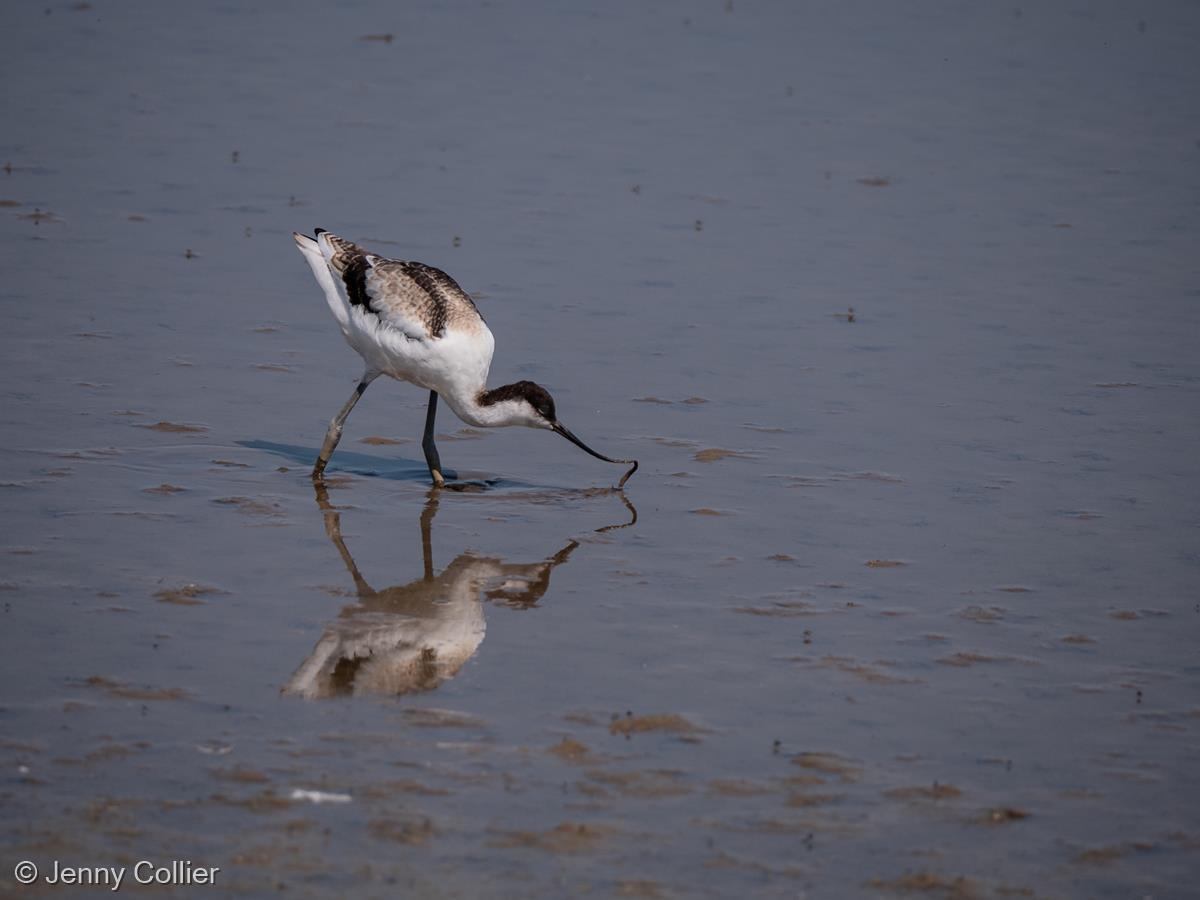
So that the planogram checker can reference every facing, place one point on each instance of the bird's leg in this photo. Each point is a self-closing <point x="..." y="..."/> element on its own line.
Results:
<point x="334" y="434"/>
<point x="333" y="528"/>
<point x="427" y="514"/>
<point x="431" y="454"/>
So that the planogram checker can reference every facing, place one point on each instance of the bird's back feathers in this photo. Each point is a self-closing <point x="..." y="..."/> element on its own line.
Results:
<point x="410" y="297"/>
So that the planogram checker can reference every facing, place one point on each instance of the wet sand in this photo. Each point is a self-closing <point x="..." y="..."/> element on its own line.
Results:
<point x="897" y="308"/>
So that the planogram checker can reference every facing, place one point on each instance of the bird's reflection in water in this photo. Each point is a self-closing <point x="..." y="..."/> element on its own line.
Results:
<point x="412" y="637"/>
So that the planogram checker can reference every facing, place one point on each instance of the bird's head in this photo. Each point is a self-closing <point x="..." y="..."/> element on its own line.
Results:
<point x="529" y="404"/>
<point x="522" y="403"/>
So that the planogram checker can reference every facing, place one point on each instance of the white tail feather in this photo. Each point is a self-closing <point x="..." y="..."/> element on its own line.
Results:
<point x="315" y="254"/>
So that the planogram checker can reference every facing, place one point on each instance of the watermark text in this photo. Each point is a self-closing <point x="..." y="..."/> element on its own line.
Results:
<point x="173" y="872"/>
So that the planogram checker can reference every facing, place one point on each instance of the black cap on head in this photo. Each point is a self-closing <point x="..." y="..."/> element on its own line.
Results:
<point x="533" y="394"/>
<point x="539" y="398"/>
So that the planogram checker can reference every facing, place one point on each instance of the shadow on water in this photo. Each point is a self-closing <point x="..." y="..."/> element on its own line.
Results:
<point x="368" y="466"/>
<point x="411" y="637"/>
<point x="363" y="464"/>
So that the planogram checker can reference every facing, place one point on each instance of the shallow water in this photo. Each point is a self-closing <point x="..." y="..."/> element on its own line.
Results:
<point x="896" y="306"/>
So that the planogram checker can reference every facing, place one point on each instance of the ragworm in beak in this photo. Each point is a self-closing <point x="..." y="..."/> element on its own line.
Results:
<point x="561" y="429"/>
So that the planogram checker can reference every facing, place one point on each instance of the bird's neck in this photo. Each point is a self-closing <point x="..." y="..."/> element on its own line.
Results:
<point x="491" y="409"/>
<point x="486" y="415"/>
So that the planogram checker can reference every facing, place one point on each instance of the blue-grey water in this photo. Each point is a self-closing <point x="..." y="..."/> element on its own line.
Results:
<point x="897" y="304"/>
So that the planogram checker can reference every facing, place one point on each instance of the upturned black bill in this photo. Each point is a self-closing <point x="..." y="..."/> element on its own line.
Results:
<point x="561" y="429"/>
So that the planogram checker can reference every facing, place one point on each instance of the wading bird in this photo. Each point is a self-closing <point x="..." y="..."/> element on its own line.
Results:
<point x="414" y="323"/>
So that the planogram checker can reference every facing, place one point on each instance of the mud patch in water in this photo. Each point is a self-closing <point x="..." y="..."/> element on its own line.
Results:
<point x="175" y="428"/>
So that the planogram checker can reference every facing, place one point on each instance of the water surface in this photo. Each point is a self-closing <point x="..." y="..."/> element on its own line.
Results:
<point x="897" y="306"/>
